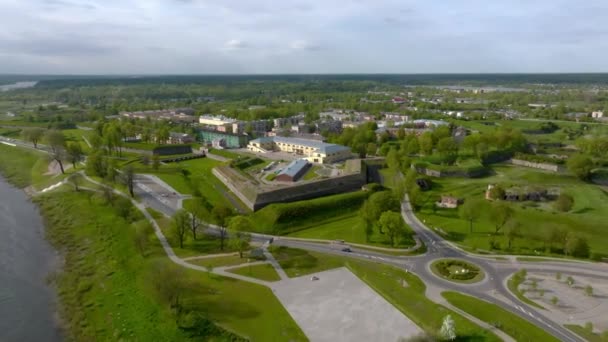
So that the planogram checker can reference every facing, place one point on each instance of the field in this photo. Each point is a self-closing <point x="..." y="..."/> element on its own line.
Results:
<point x="514" y="326"/>
<point x="587" y="217"/>
<point x="350" y="229"/>
<point x="231" y="260"/>
<point x="197" y="175"/>
<point x="107" y="293"/>
<point x="23" y="167"/>
<point x="263" y="272"/>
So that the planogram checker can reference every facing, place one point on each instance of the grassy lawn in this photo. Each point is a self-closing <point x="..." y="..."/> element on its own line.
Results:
<point x="311" y="173"/>
<point x="203" y="245"/>
<point x="263" y="272"/>
<point x="476" y="273"/>
<point x="107" y="293"/>
<point x="348" y="228"/>
<point x="198" y="175"/>
<point x="22" y="166"/>
<point x="587" y="217"/>
<point x="514" y="326"/>
<point x="219" y="261"/>
<point x="78" y="135"/>
<point x="298" y="262"/>
<point x="225" y="153"/>
<point x="513" y="286"/>
<point x="389" y="179"/>
<point x="586" y="334"/>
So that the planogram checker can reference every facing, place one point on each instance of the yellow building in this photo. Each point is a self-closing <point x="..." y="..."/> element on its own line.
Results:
<point x="312" y="150"/>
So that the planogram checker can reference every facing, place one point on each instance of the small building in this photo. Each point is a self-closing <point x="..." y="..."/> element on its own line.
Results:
<point x="449" y="202"/>
<point x="231" y="140"/>
<point x="597" y="114"/>
<point x="293" y="171"/>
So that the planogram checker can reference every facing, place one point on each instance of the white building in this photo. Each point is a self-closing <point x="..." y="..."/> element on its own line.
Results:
<point x="597" y="114"/>
<point x="212" y="120"/>
<point x="312" y="150"/>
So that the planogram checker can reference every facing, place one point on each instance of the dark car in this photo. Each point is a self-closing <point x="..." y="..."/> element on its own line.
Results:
<point x="347" y="249"/>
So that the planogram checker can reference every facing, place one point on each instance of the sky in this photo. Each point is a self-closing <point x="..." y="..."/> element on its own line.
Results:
<point x="312" y="36"/>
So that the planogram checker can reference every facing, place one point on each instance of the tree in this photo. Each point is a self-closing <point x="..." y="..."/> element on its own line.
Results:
<point x="426" y="143"/>
<point x="56" y="142"/>
<point x="413" y="147"/>
<point x="366" y="216"/>
<point x="581" y="166"/>
<point x="589" y="290"/>
<point x="471" y="211"/>
<point x="155" y="162"/>
<point x="128" y="176"/>
<point x="380" y="202"/>
<point x="447" y="147"/>
<point x="512" y="231"/>
<point x="220" y="216"/>
<point x="448" y="329"/>
<point x="76" y="179"/>
<point x="554" y="300"/>
<point x="197" y="211"/>
<point x="96" y="164"/>
<point x="240" y="223"/>
<point x="180" y="224"/>
<point x="74" y="152"/>
<point x="391" y="223"/>
<point x="392" y="161"/>
<point x="570" y="281"/>
<point x="169" y="282"/>
<point x="240" y="242"/>
<point x="576" y="246"/>
<point x="564" y="202"/>
<point x="501" y="213"/>
<point x="497" y="192"/>
<point x="33" y="135"/>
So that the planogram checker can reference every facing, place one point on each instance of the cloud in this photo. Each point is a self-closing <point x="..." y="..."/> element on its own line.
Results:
<point x="303" y="45"/>
<point x="235" y="44"/>
<point x="201" y="36"/>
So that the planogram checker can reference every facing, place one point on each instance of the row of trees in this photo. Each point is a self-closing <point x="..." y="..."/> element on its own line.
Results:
<point x="381" y="211"/>
<point x="59" y="149"/>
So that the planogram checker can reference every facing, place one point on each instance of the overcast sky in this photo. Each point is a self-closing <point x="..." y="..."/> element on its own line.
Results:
<point x="312" y="36"/>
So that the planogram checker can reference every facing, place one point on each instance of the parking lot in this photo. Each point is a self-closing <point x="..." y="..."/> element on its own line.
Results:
<point x="338" y="306"/>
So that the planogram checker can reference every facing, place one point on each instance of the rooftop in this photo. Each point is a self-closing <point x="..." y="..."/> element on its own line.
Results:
<point x="294" y="167"/>
<point x="320" y="146"/>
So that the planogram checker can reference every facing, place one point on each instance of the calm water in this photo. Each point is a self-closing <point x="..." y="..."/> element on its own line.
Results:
<point x="27" y="304"/>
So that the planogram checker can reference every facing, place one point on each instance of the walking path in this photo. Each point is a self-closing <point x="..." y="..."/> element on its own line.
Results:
<point x="275" y="264"/>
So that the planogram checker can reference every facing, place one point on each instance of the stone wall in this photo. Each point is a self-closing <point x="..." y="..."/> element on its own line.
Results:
<point x="256" y="199"/>
<point x="542" y="166"/>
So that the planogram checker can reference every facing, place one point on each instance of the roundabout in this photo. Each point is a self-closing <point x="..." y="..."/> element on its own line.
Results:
<point x="457" y="271"/>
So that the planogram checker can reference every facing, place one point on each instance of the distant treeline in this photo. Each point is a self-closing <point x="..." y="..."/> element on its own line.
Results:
<point x="410" y="79"/>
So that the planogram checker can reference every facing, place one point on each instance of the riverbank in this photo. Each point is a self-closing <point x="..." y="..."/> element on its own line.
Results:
<point x="112" y="285"/>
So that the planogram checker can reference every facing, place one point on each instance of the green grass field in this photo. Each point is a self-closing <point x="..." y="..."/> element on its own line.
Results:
<point x="263" y="272"/>
<point x="106" y="292"/>
<point x="348" y="228"/>
<point x="199" y="175"/>
<point x="22" y="166"/>
<point x="219" y="261"/>
<point x="514" y="326"/>
<point x="587" y="217"/>
<point x="298" y="262"/>
<point x="586" y="334"/>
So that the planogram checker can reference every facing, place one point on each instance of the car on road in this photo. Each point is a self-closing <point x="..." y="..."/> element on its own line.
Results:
<point x="346" y="249"/>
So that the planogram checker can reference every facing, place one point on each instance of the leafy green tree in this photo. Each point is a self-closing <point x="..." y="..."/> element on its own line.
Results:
<point x="512" y="231"/>
<point x="392" y="223"/>
<point x="220" y="215"/>
<point x="576" y="246"/>
<point x="413" y="147"/>
<point x="501" y="213"/>
<point x="180" y="225"/>
<point x="33" y="135"/>
<point x="589" y="290"/>
<point x="367" y="219"/>
<point x="155" y="162"/>
<point x="564" y="202"/>
<point x="447" y="147"/>
<point x="380" y="202"/>
<point x="471" y="211"/>
<point x="56" y="142"/>
<point x="128" y="176"/>
<point x="581" y="166"/>
<point x="426" y="143"/>
<point x="392" y="160"/>
<point x="74" y="152"/>
<point x="240" y="242"/>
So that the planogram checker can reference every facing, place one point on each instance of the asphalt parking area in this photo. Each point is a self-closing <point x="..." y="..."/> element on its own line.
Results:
<point x="340" y="307"/>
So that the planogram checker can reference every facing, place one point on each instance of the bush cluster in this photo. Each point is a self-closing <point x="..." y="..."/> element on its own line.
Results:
<point x="443" y="267"/>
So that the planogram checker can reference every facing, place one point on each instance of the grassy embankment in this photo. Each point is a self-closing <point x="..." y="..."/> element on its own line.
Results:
<point x="513" y="325"/>
<point x="107" y="292"/>
<point x="331" y="218"/>
<point x="586" y="334"/>
<point x="402" y="289"/>
<point x="586" y="218"/>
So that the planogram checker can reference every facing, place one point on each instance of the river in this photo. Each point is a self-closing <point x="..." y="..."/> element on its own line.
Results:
<point x="27" y="304"/>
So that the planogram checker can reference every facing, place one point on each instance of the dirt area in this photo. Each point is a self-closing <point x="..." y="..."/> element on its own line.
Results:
<point x="574" y="305"/>
<point x="338" y="306"/>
